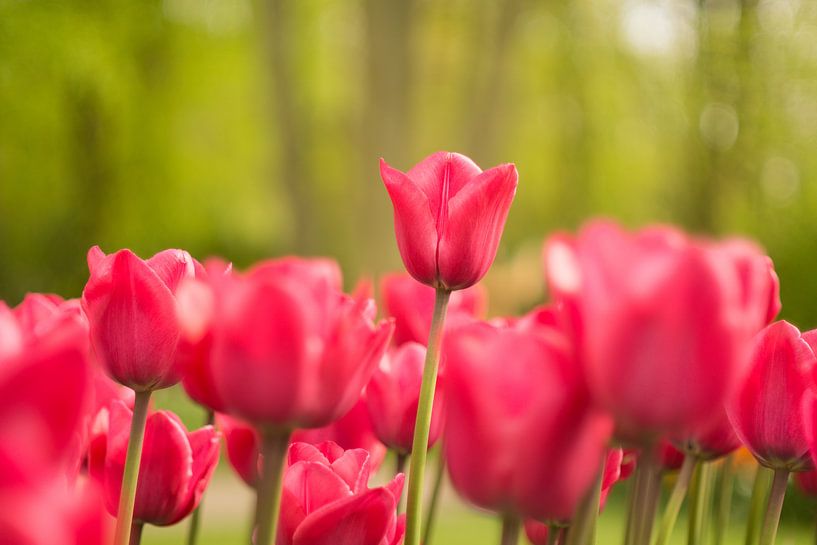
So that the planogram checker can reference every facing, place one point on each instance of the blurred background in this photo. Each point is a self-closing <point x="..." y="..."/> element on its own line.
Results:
<point x="253" y="129"/>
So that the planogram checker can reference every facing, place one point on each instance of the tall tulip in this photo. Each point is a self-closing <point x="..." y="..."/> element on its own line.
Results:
<point x="175" y="470"/>
<point x="767" y="410"/>
<point x="520" y="437"/>
<point x="289" y="350"/>
<point x="131" y="308"/>
<point x="448" y="218"/>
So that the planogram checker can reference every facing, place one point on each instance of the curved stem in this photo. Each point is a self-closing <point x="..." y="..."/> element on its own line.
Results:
<point x="274" y="445"/>
<point x="130" y="475"/>
<point x="419" y="446"/>
<point x="775" y="506"/>
<point x="676" y="498"/>
<point x="760" y="489"/>
<point x="431" y="513"/>
<point x="195" y="519"/>
<point x="723" y="505"/>
<point x="510" y="530"/>
<point x="699" y="505"/>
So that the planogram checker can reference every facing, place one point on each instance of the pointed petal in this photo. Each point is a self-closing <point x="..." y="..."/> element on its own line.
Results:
<point x="359" y="520"/>
<point x="429" y="174"/>
<point x="204" y="445"/>
<point x="172" y="266"/>
<point x="414" y="224"/>
<point x="353" y="468"/>
<point x="476" y="219"/>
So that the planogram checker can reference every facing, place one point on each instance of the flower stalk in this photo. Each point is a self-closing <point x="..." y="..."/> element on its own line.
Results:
<point x="130" y="475"/>
<point x="431" y="513"/>
<point x="774" y="507"/>
<point x="419" y="450"/>
<point x="676" y="498"/>
<point x="273" y="448"/>
<point x="511" y="525"/>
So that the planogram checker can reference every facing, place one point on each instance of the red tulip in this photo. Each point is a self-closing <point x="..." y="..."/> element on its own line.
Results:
<point x="537" y="532"/>
<point x="393" y="394"/>
<point x="663" y="321"/>
<point x="175" y="468"/>
<point x="519" y="436"/>
<point x="131" y="308"/>
<point x="289" y="349"/>
<point x="766" y="411"/>
<point x="715" y="439"/>
<point x="411" y="304"/>
<point x="670" y="457"/>
<point x="326" y="500"/>
<point x="809" y="408"/>
<point x="449" y="216"/>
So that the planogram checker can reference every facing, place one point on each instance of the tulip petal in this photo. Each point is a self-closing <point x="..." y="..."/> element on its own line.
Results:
<point x="443" y="172"/>
<point x="204" y="446"/>
<point x="476" y="219"/>
<point x="305" y="452"/>
<point x="353" y="468"/>
<point x="242" y="447"/>
<point x="358" y="520"/>
<point x="414" y="224"/>
<point x="172" y="266"/>
<point x="133" y="323"/>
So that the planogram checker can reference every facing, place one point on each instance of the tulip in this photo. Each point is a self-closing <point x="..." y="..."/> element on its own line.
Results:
<point x="767" y="411"/>
<point x="392" y="397"/>
<point x="520" y="437"/>
<point x="242" y="444"/>
<point x="176" y="466"/>
<point x="411" y="304"/>
<point x="658" y="313"/>
<point x="131" y="308"/>
<point x="289" y="350"/>
<point x="326" y="499"/>
<point x="449" y="216"/>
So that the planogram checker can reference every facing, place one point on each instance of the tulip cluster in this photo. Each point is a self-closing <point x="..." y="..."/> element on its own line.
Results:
<point x="658" y="352"/>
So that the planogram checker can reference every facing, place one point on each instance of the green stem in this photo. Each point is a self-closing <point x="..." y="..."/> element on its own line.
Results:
<point x="646" y="495"/>
<point x="676" y="498"/>
<point x="554" y="532"/>
<point x="699" y="505"/>
<point x="632" y="508"/>
<point x="130" y="475"/>
<point x="723" y="505"/>
<point x="419" y="446"/>
<point x="274" y="445"/>
<point x="195" y="519"/>
<point x="760" y="489"/>
<point x="775" y="506"/>
<point x="431" y="514"/>
<point x="136" y="533"/>
<point x="510" y="530"/>
<point x="583" y="525"/>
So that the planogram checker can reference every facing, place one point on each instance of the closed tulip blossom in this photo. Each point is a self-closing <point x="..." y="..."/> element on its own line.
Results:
<point x="393" y="394"/>
<point x="411" y="304"/>
<point x="664" y="321"/>
<point x="520" y="436"/>
<point x="449" y="216"/>
<point x="326" y="499"/>
<point x="176" y="466"/>
<point x="289" y="350"/>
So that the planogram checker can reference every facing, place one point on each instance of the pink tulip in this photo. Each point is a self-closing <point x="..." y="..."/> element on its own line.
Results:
<point x="411" y="304"/>
<point x="326" y="500"/>
<point x="176" y="465"/>
<point x="242" y="444"/>
<point x="537" y="532"/>
<point x="663" y="321"/>
<point x="393" y="394"/>
<point x="809" y="407"/>
<point x="131" y="308"/>
<point x="713" y="440"/>
<point x="519" y="434"/>
<point x="288" y="348"/>
<point x="449" y="216"/>
<point x="766" y="411"/>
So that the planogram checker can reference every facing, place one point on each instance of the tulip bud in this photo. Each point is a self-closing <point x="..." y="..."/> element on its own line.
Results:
<point x="393" y="395"/>
<point x="175" y="468"/>
<point x="766" y="412"/>
<point x="449" y="216"/>
<point x="131" y="308"/>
